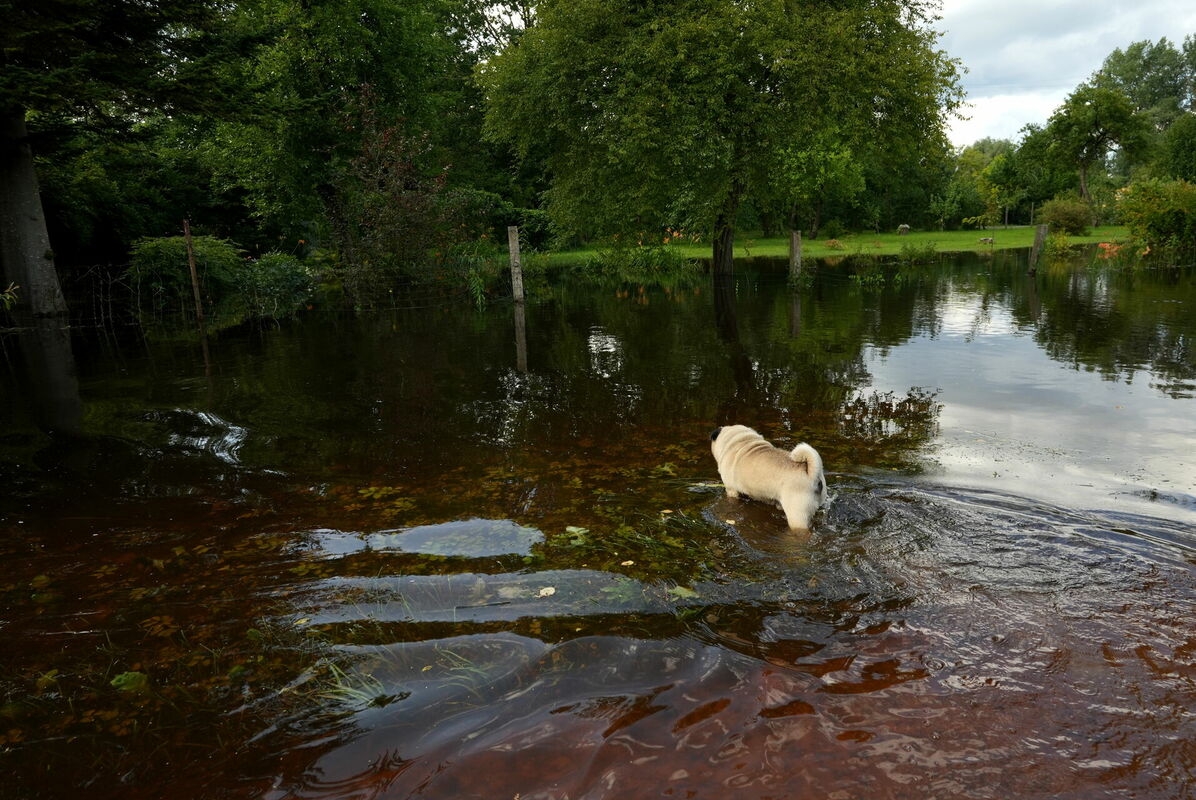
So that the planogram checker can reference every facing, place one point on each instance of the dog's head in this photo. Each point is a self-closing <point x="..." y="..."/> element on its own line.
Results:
<point x="721" y="438"/>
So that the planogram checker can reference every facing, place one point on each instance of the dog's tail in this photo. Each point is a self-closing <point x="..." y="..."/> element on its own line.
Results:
<point x="807" y="456"/>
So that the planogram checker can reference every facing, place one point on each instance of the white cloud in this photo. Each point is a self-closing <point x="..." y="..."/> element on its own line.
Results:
<point x="1025" y="56"/>
<point x="1002" y="116"/>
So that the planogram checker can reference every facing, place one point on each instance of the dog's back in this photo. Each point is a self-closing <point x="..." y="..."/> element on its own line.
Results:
<point x="749" y="465"/>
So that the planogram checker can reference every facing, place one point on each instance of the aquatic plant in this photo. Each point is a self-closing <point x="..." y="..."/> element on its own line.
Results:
<point x="915" y="253"/>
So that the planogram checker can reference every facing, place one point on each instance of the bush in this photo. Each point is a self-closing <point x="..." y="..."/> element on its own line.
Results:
<point x="234" y="286"/>
<point x="160" y="274"/>
<point x="833" y="229"/>
<point x="1057" y="245"/>
<point x="1160" y="212"/>
<point x="536" y="231"/>
<point x="647" y="265"/>
<point x="912" y="253"/>
<point x="1069" y="215"/>
<point x="276" y="285"/>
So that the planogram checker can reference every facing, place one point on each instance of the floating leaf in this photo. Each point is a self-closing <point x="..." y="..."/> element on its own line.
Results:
<point x="131" y="682"/>
<point x="547" y="591"/>
<point x="47" y="679"/>
<point x="683" y="592"/>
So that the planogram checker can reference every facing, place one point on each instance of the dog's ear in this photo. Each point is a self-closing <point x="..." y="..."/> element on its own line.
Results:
<point x="714" y="433"/>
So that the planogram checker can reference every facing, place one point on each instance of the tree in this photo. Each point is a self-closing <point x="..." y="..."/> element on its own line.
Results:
<point x="1178" y="158"/>
<point x="1189" y="55"/>
<point x="1038" y="169"/>
<point x="814" y="171"/>
<point x="86" y="58"/>
<point x="658" y="114"/>
<point x="1001" y="184"/>
<point x="325" y="64"/>
<point x="1092" y="121"/>
<point x="1151" y="75"/>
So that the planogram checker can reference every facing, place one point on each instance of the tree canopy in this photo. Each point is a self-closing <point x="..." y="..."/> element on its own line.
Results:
<point x="660" y="115"/>
<point x="1089" y="124"/>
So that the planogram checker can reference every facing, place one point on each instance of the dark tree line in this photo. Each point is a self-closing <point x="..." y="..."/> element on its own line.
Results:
<point x="383" y="139"/>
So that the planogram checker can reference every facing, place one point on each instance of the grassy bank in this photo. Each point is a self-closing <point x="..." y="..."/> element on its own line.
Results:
<point x="872" y="243"/>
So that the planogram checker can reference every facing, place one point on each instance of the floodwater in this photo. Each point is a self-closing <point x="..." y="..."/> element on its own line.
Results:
<point x="417" y="553"/>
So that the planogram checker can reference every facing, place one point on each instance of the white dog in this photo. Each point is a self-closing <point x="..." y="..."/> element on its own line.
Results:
<point x="751" y="466"/>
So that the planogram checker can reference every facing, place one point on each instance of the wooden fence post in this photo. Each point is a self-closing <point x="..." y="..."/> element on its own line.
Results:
<point x="794" y="253"/>
<point x="1040" y="235"/>
<point x="203" y="325"/>
<point x="520" y="339"/>
<point x="194" y="276"/>
<point x="516" y="267"/>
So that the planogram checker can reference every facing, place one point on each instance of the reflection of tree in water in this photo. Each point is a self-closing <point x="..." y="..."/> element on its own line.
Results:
<point x="800" y="372"/>
<point x="882" y="424"/>
<point x="1119" y="323"/>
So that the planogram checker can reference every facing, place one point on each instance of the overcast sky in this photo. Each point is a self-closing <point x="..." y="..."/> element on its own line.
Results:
<point x="1023" y="57"/>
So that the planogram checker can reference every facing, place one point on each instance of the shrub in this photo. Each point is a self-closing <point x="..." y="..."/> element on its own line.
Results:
<point x="1067" y="214"/>
<point x="638" y="261"/>
<point x="160" y="274"/>
<point x="833" y="229"/>
<point x="912" y="253"/>
<point x="536" y="231"/>
<point x="1160" y="212"/>
<point x="1057" y="245"/>
<point x="648" y="265"/>
<point x="275" y="285"/>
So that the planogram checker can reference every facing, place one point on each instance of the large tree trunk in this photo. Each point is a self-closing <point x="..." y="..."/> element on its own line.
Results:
<point x="724" y="246"/>
<point x="724" y="235"/>
<point x="1084" y="184"/>
<point x="25" y="255"/>
<point x="50" y="370"/>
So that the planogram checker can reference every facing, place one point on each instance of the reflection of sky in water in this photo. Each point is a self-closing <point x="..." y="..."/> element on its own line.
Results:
<point x="606" y="353"/>
<point x="473" y="538"/>
<point x="1015" y="420"/>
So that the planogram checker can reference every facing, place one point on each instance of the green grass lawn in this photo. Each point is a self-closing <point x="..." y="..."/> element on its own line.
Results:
<point x="874" y="243"/>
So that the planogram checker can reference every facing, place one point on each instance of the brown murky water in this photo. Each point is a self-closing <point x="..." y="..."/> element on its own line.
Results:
<point x="402" y="555"/>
